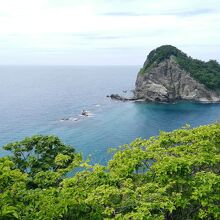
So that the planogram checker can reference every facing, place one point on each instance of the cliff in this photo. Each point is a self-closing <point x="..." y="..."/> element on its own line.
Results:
<point x="169" y="75"/>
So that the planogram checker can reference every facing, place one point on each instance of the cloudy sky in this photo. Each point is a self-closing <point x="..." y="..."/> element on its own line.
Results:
<point x="105" y="32"/>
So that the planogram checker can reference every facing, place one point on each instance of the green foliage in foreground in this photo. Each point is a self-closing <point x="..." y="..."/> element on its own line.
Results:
<point x="172" y="176"/>
<point x="207" y="73"/>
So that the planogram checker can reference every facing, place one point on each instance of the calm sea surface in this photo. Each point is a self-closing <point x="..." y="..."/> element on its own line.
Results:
<point x="34" y="99"/>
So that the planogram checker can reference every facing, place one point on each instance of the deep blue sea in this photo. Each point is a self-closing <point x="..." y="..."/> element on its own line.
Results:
<point x="34" y="99"/>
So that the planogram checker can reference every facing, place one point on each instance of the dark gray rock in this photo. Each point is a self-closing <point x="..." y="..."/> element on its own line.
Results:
<point x="117" y="97"/>
<point x="121" y="98"/>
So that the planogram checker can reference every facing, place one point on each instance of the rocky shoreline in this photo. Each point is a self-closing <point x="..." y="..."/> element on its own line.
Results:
<point x="121" y="98"/>
<point x="118" y="97"/>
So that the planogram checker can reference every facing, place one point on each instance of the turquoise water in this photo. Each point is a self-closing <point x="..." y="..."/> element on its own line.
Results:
<point x="33" y="100"/>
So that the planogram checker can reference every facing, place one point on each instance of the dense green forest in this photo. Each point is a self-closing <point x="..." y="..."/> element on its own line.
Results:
<point x="172" y="176"/>
<point x="207" y="73"/>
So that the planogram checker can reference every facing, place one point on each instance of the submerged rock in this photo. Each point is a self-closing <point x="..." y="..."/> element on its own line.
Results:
<point x="69" y="119"/>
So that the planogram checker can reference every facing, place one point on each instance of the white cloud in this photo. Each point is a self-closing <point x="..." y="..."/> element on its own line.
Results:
<point x="68" y="29"/>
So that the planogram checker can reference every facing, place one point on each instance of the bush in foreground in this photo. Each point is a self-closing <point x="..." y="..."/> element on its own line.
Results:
<point x="172" y="176"/>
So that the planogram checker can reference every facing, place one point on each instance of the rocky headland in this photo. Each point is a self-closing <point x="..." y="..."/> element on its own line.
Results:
<point x="169" y="75"/>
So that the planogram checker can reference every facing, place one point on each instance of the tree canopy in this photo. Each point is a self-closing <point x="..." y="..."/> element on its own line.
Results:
<point x="40" y="153"/>
<point x="172" y="176"/>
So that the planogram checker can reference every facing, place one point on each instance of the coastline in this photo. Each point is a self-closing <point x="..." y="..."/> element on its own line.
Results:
<point x="118" y="97"/>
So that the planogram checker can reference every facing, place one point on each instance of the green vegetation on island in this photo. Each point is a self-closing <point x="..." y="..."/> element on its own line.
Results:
<point x="207" y="73"/>
<point x="172" y="176"/>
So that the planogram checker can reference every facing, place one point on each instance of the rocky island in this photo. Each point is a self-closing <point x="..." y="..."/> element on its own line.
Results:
<point x="169" y="75"/>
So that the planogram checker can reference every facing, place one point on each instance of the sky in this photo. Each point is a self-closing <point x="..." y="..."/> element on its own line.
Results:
<point x="105" y="32"/>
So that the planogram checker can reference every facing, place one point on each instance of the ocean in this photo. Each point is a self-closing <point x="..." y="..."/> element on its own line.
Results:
<point x="39" y="99"/>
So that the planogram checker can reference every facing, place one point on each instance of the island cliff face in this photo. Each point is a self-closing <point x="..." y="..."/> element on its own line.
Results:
<point x="164" y="79"/>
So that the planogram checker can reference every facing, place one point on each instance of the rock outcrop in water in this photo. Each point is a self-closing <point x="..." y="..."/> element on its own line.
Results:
<point x="121" y="98"/>
<point x="169" y="75"/>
